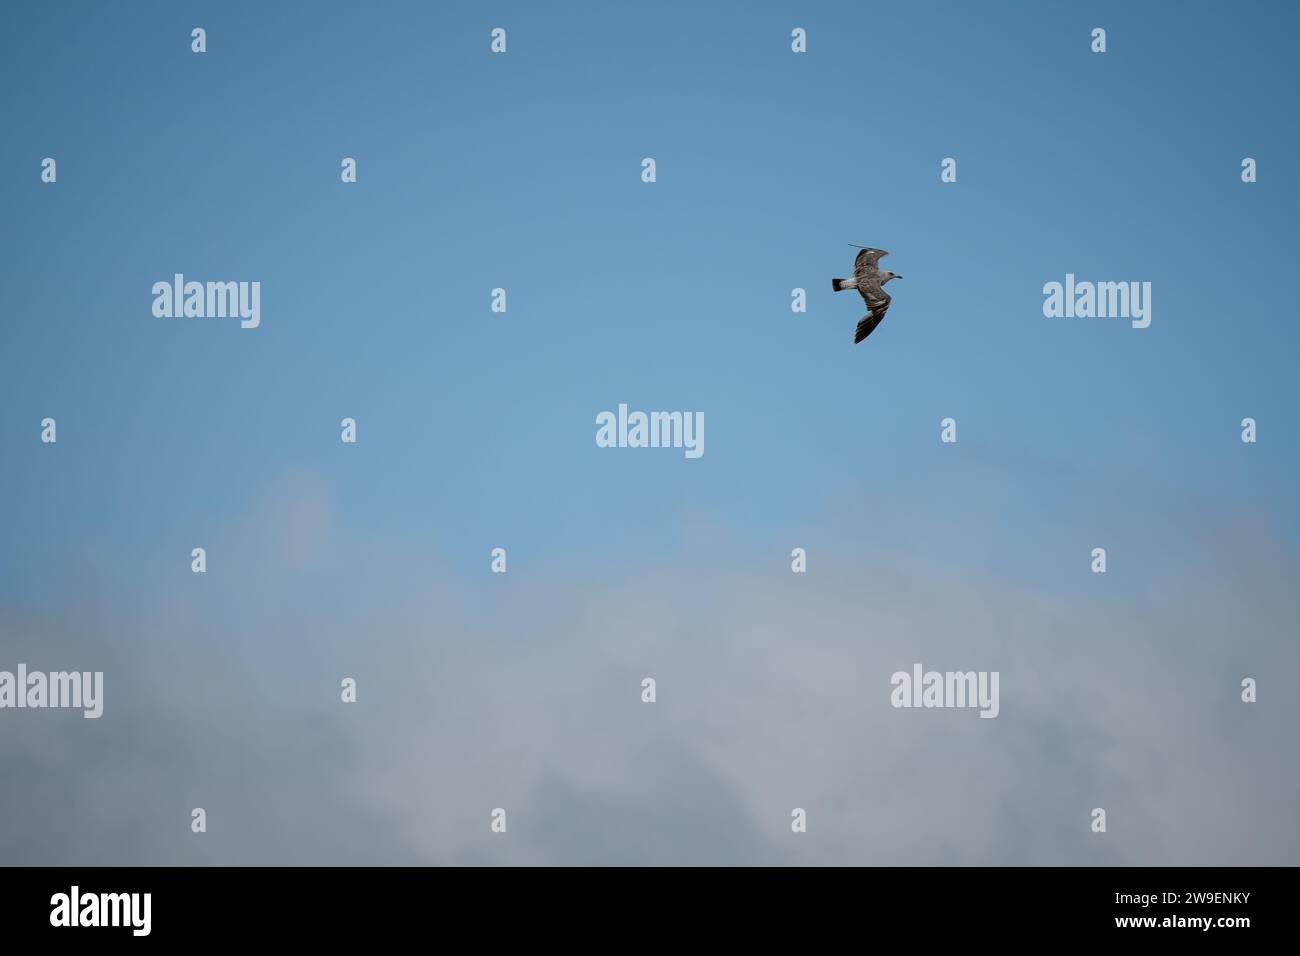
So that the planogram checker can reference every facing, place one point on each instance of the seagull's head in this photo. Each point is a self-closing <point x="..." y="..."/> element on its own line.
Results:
<point x="889" y="275"/>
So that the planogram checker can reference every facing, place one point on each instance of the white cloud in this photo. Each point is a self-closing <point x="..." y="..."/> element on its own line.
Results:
<point x="523" y="691"/>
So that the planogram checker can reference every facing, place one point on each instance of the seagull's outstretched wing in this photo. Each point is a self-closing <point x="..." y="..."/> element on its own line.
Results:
<point x="866" y="261"/>
<point x="877" y="300"/>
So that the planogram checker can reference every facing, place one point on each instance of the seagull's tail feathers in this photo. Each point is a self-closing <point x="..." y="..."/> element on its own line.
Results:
<point x="839" y="284"/>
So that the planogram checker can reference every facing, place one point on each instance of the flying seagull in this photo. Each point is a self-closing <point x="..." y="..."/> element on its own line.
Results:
<point x="869" y="281"/>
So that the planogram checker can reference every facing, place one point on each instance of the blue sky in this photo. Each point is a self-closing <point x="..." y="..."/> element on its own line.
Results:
<point x="476" y="430"/>
<point x="522" y="171"/>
